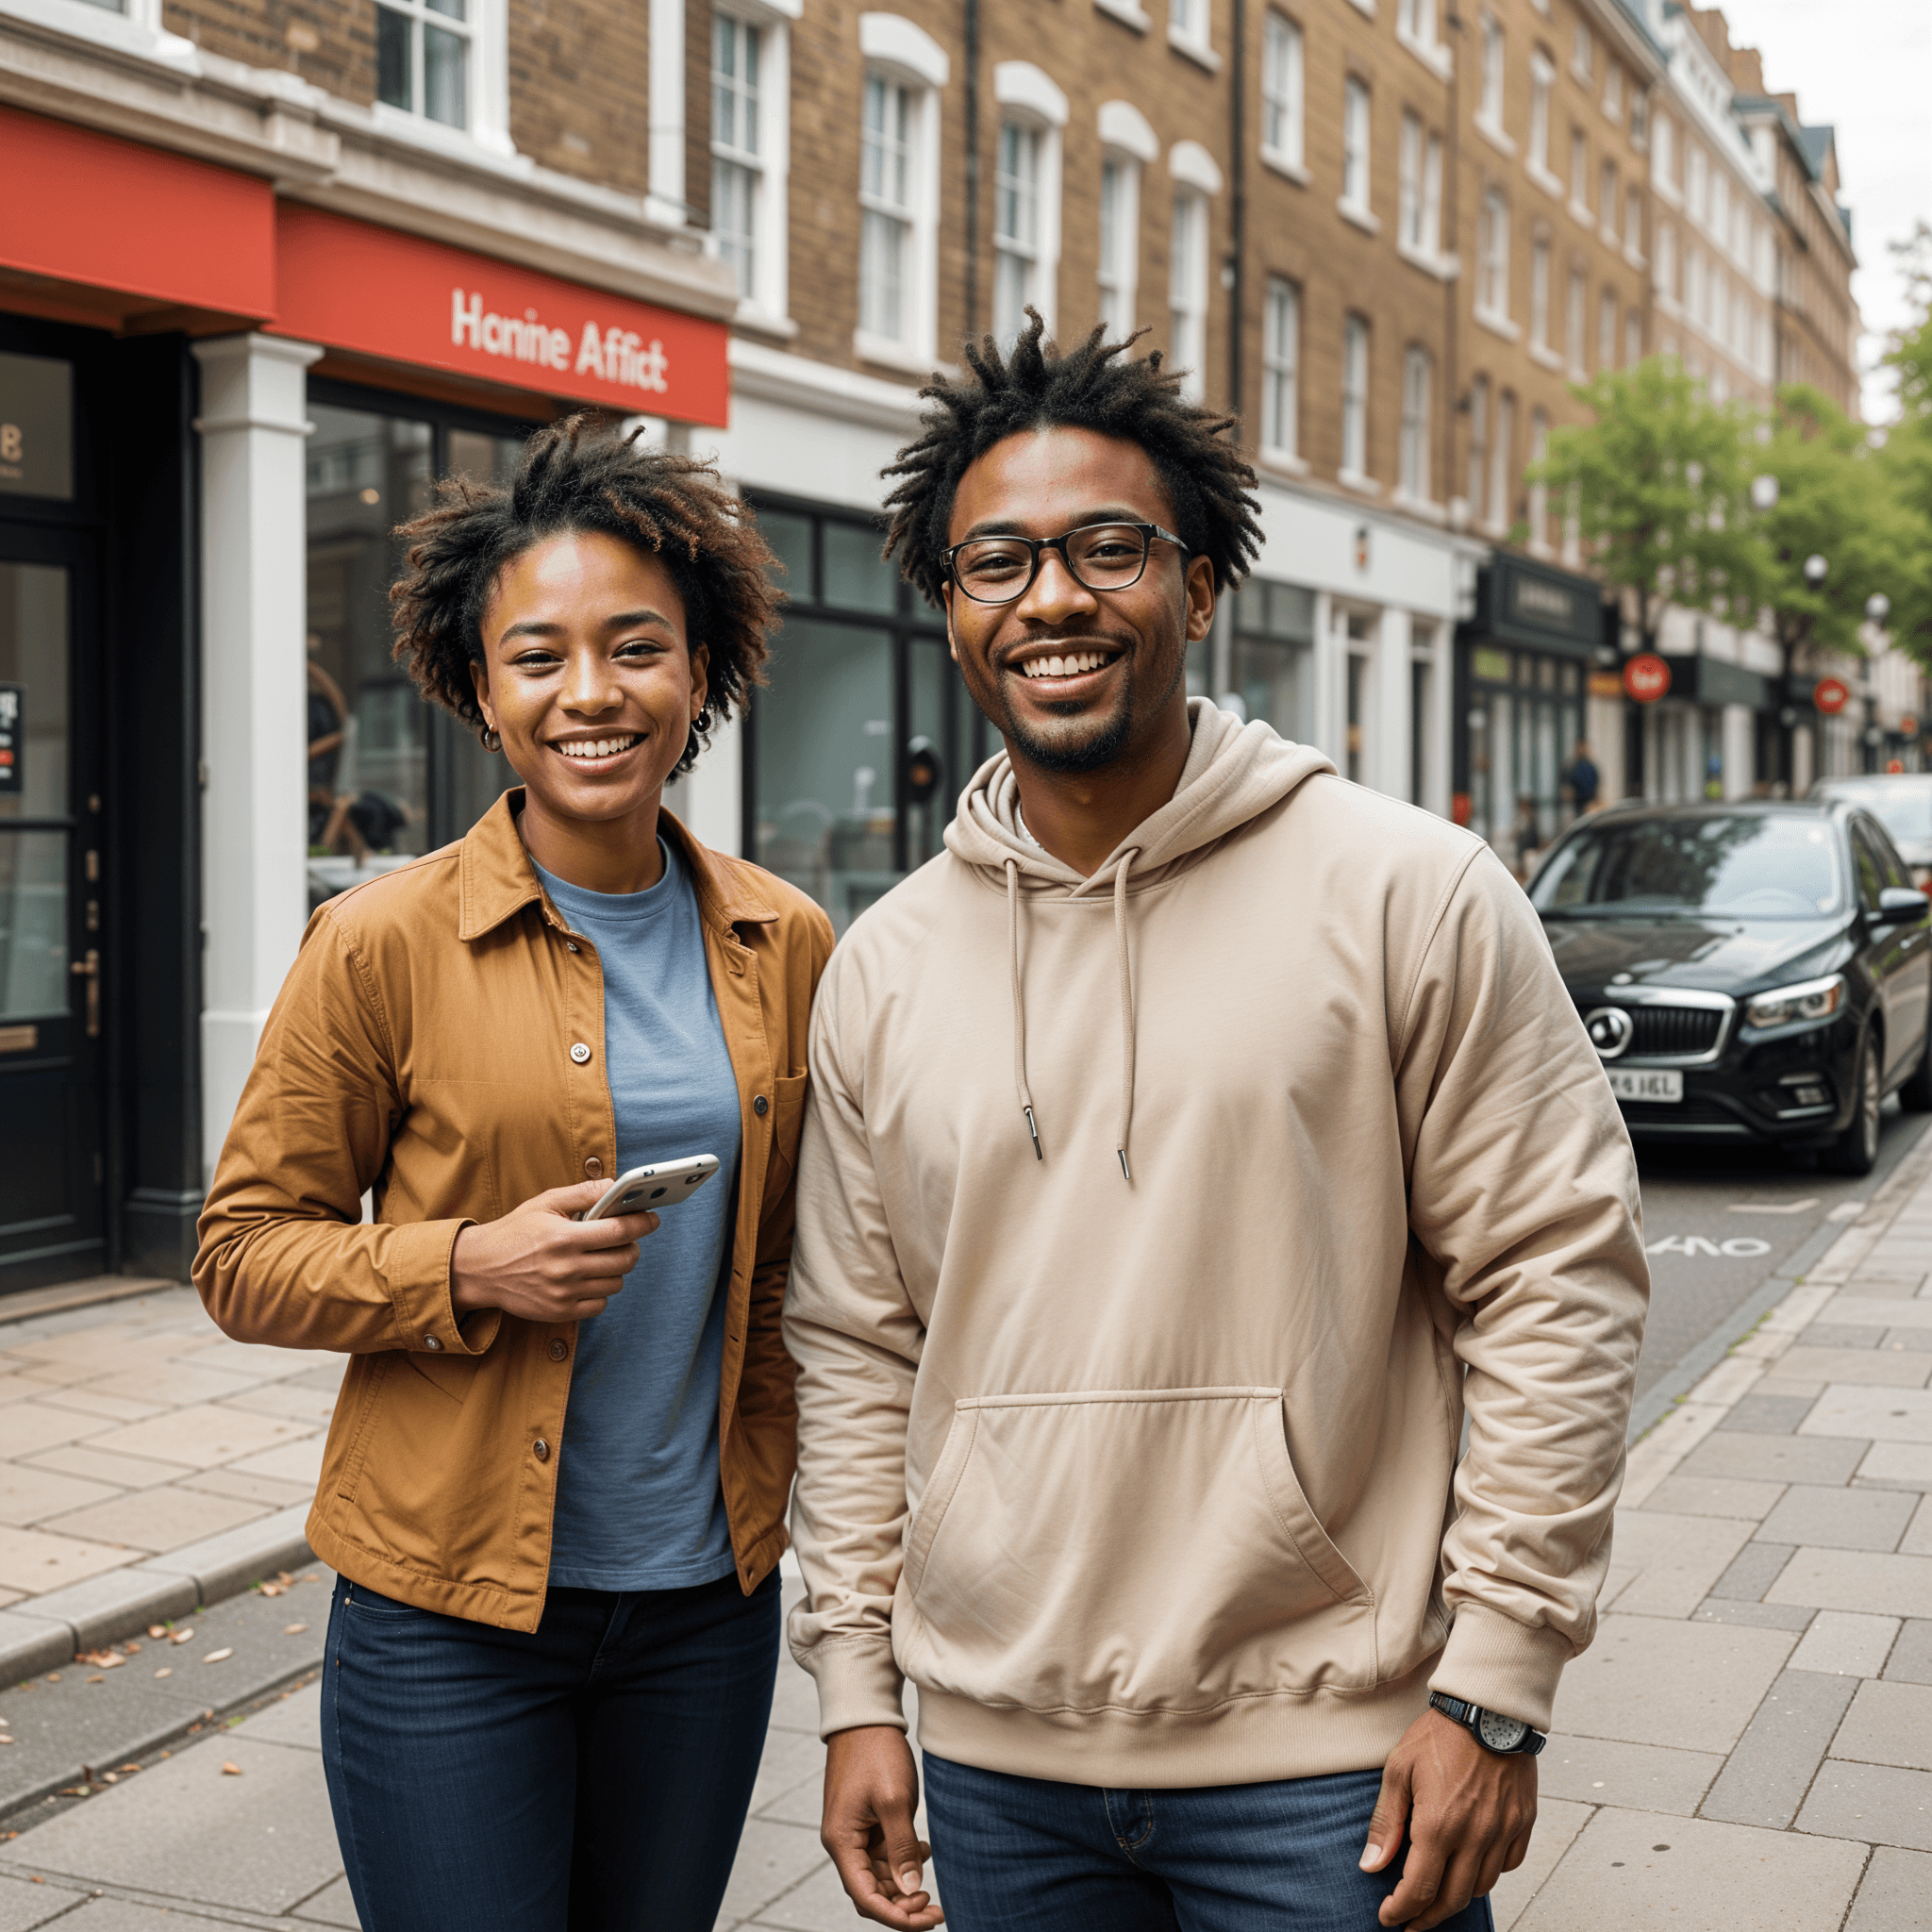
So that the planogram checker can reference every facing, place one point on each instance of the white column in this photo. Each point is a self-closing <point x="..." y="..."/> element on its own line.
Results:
<point x="1389" y="670"/>
<point x="664" y="202"/>
<point x="709" y="798"/>
<point x="253" y="820"/>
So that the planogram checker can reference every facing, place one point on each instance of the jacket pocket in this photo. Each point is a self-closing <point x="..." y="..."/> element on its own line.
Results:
<point x="787" y="1123"/>
<point x="1141" y="1550"/>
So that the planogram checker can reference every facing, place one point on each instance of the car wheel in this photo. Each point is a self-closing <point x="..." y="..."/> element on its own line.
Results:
<point x="1915" y="1096"/>
<point x="1856" y="1151"/>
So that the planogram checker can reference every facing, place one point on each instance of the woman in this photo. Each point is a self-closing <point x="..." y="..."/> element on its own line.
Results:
<point x="555" y="1481"/>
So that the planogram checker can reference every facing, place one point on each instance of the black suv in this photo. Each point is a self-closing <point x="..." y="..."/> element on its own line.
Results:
<point x="1746" y="972"/>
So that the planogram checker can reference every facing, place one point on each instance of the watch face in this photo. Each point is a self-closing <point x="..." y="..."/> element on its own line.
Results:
<point x="1501" y="1733"/>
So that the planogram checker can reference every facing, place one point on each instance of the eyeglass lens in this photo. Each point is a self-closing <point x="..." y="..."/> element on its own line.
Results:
<point x="1103" y="556"/>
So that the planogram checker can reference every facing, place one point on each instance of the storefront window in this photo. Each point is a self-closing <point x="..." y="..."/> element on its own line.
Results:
<point x="34" y="859"/>
<point x="863" y="737"/>
<point x="1273" y="640"/>
<point x="389" y="776"/>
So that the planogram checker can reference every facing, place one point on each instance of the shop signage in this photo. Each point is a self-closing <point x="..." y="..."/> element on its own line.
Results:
<point x="12" y="738"/>
<point x="381" y="293"/>
<point x="36" y="426"/>
<point x="1646" y="678"/>
<point x="1830" y="695"/>
<point x="1909" y="726"/>
<point x="1536" y="600"/>
<point x="1605" y="684"/>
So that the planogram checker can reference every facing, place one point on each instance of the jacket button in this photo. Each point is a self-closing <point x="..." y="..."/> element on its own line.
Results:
<point x="580" y="1052"/>
<point x="592" y="1168"/>
<point x="761" y="1107"/>
<point x="569" y="945"/>
<point x="541" y="1450"/>
<point x="558" y="1349"/>
<point x="431" y="1342"/>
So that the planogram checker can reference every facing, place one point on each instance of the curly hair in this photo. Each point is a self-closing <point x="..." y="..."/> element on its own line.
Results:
<point x="1097" y="385"/>
<point x="582" y="475"/>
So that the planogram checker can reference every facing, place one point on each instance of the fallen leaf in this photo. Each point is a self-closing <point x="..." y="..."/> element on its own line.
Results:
<point x="230" y="1769"/>
<point x="53" y="1676"/>
<point x="165" y="1670"/>
<point x="156" y="1630"/>
<point x="215" y="1656"/>
<point x="272" y="1589"/>
<point x="132" y="1647"/>
<point x="99" y="1677"/>
<point x="130" y="1767"/>
<point x="6" y="1741"/>
<point x="181" y="1636"/>
<point x="108" y="1778"/>
<point x="293" y="1629"/>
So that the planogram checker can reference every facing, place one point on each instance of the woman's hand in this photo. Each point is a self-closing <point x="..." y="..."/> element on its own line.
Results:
<point x="539" y="1264"/>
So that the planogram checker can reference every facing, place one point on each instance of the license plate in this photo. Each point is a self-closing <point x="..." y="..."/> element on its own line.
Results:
<point x="1637" y="1083"/>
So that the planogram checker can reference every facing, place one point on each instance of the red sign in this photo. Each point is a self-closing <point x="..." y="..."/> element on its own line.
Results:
<point x="1830" y="695"/>
<point x="1909" y="726"/>
<point x="1646" y="678"/>
<point x="352" y="286"/>
<point x="86" y="207"/>
<point x="1894" y="766"/>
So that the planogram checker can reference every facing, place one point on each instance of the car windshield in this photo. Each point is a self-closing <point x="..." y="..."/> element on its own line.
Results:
<point x="1751" y="866"/>
<point x="1903" y="807"/>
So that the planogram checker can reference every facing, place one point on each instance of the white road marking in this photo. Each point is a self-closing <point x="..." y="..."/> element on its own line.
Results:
<point x="1846" y="1210"/>
<point x="1744" y="1247"/>
<point x="1773" y="1206"/>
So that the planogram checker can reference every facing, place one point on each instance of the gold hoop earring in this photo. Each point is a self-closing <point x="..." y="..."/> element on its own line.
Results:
<point x="492" y="740"/>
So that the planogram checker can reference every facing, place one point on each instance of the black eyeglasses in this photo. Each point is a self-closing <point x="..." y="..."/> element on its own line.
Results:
<point x="1101" y="556"/>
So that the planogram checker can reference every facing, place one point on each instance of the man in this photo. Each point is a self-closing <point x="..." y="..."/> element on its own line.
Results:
<point x="1582" y="779"/>
<point x="1191" y="1147"/>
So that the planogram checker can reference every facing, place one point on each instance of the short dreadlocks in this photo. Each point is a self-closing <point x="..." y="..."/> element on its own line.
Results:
<point x="582" y="475"/>
<point x="1097" y="385"/>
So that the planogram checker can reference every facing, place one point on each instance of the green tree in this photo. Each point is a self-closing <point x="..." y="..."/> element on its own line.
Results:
<point x="1906" y="460"/>
<point x="1661" y="488"/>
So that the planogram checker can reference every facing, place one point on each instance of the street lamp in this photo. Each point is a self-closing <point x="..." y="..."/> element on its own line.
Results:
<point x="1877" y="607"/>
<point x="1764" y="493"/>
<point x="1816" y="570"/>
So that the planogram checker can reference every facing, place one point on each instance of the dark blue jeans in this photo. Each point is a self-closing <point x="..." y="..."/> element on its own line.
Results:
<point x="1023" y="1855"/>
<point x="589" y="1776"/>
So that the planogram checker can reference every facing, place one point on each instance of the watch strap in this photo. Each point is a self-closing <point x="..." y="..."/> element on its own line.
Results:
<point x="1470" y="1717"/>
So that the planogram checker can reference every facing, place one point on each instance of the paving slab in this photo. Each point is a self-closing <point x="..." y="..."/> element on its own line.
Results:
<point x="1917" y="1540"/>
<point x="1764" y="1780"/>
<point x="1855" y="1580"/>
<point x="24" y="1904"/>
<point x="1557" y="1824"/>
<point x="151" y="1521"/>
<point x="1902" y="1465"/>
<point x="1892" y="1368"/>
<point x="1896" y="1895"/>
<point x="1839" y="1518"/>
<point x="1841" y="1335"/>
<point x="1640" y="1777"/>
<point x="1845" y="1643"/>
<point x="1687" y="1495"/>
<point x="1878" y="1415"/>
<point x="1753" y="1571"/>
<point x="772" y="1858"/>
<point x="1874" y="1802"/>
<point x="1635" y="1871"/>
<point x="1910" y="1661"/>
<point x="1888" y="1723"/>
<point x="1771" y="1415"/>
<point x="331" y="1906"/>
<point x="1664" y="1566"/>
<point x="1650" y="1680"/>
<point x="202" y="1436"/>
<point x="1908" y="1308"/>
<point x="1773" y="1459"/>
<point x="1719" y="1609"/>
<point x="37" y="1561"/>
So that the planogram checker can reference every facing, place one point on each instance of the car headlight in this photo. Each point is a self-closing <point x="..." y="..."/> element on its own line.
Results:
<point x="1810" y="999"/>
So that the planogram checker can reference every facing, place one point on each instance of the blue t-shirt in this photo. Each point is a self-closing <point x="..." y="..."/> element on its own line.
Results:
<point x="638" y="1501"/>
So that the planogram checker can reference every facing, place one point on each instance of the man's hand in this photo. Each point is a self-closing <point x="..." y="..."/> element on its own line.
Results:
<point x="537" y="1263"/>
<point x="872" y="1791"/>
<point x="1469" y="1813"/>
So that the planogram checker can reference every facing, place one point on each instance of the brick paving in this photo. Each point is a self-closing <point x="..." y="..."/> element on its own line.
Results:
<point x="1748" y="1742"/>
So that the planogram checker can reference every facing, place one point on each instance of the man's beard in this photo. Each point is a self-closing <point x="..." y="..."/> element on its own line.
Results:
<point x="1072" y="755"/>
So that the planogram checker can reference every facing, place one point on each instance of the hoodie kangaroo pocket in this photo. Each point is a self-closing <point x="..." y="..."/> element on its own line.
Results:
<point x="1145" y="1550"/>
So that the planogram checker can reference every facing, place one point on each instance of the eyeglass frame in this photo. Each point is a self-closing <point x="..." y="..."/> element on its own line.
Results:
<point x="1149" y="532"/>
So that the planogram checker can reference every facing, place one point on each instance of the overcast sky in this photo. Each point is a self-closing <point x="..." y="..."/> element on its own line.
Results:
<point x="1864" y="66"/>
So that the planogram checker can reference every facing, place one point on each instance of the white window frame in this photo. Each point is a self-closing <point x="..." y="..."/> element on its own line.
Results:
<point x="903" y="53"/>
<point x="1281" y="355"/>
<point x="1284" y="114"/>
<point x="1633" y="338"/>
<point x="1191" y="31"/>
<point x="1582" y="53"/>
<point x="1418" y="372"/>
<point x="1576" y="322"/>
<point x="487" y="81"/>
<point x="1129" y="145"/>
<point x="1478" y="480"/>
<point x="1664" y="266"/>
<point x="1028" y="98"/>
<point x="1607" y="315"/>
<point x="1663" y="158"/>
<point x="1494" y="84"/>
<point x="1542" y="83"/>
<point x="1633" y="224"/>
<point x="1501" y="472"/>
<point x="1418" y="29"/>
<point x="1609" y="198"/>
<point x="1355" y="351"/>
<point x="1539" y="294"/>
<point x="1197" y="181"/>
<point x="1539" y="493"/>
<point x="1419" y="220"/>
<point x="1492" y="261"/>
<point x="1579" y="177"/>
<point x="770" y="292"/>
<point x="1358" y="145"/>
<point x="1613" y="90"/>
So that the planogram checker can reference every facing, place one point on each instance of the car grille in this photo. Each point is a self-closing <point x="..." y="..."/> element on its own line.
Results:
<point x="1663" y="1030"/>
<point x="1692" y="1111"/>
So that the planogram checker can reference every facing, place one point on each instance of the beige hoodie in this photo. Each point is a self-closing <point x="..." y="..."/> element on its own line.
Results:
<point x="1136" y="1446"/>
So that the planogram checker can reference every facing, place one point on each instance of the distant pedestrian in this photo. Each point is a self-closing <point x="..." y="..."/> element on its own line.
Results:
<point x="555" y="1483"/>
<point x="1193" y="1148"/>
<point x="1582" y="780"/>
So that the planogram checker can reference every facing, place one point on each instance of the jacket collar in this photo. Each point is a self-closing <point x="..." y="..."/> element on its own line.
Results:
<point x="497" y="878"/>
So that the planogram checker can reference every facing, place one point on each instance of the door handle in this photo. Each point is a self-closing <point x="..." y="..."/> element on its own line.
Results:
<point x="90" y="969"/>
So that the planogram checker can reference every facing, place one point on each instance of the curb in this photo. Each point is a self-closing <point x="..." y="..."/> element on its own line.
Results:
<point x="47" y="1632"/>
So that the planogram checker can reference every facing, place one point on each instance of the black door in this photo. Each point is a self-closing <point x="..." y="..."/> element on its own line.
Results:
<point x="51" y="899"/>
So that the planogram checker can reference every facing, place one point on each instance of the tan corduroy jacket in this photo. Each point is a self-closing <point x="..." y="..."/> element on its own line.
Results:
<point x="439" y="1040"/>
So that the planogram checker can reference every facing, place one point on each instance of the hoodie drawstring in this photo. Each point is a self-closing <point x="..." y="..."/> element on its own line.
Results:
<point x="1019" y="1006"/>
<point x="1120" y="934"/>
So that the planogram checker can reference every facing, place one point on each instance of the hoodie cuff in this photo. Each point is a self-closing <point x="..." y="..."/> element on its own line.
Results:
<point x="858" y="1683"/>
<point x="418" y="1270"/>
<point x="1502" y="1665"/>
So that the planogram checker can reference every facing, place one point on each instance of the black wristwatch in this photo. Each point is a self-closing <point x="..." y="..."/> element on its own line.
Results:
<point x="1508" y="1737"/>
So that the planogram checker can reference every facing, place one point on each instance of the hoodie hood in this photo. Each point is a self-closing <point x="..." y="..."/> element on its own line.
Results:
<point x="1233" y="773"/>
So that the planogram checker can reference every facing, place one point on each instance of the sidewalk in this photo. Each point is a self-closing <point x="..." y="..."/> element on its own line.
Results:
<point x="1747" y="1744"/>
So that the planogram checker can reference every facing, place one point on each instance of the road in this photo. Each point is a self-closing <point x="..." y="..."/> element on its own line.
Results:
<point x="1717" y="1223"/>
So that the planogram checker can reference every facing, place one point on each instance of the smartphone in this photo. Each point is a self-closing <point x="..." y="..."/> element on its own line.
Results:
<point x="660" y="1185"/>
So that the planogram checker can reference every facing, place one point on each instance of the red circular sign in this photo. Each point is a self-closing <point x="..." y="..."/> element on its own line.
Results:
<point x="1909" y="726"/>
<point x="1830" y="695"/>
<point x="1646" y="678"/>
